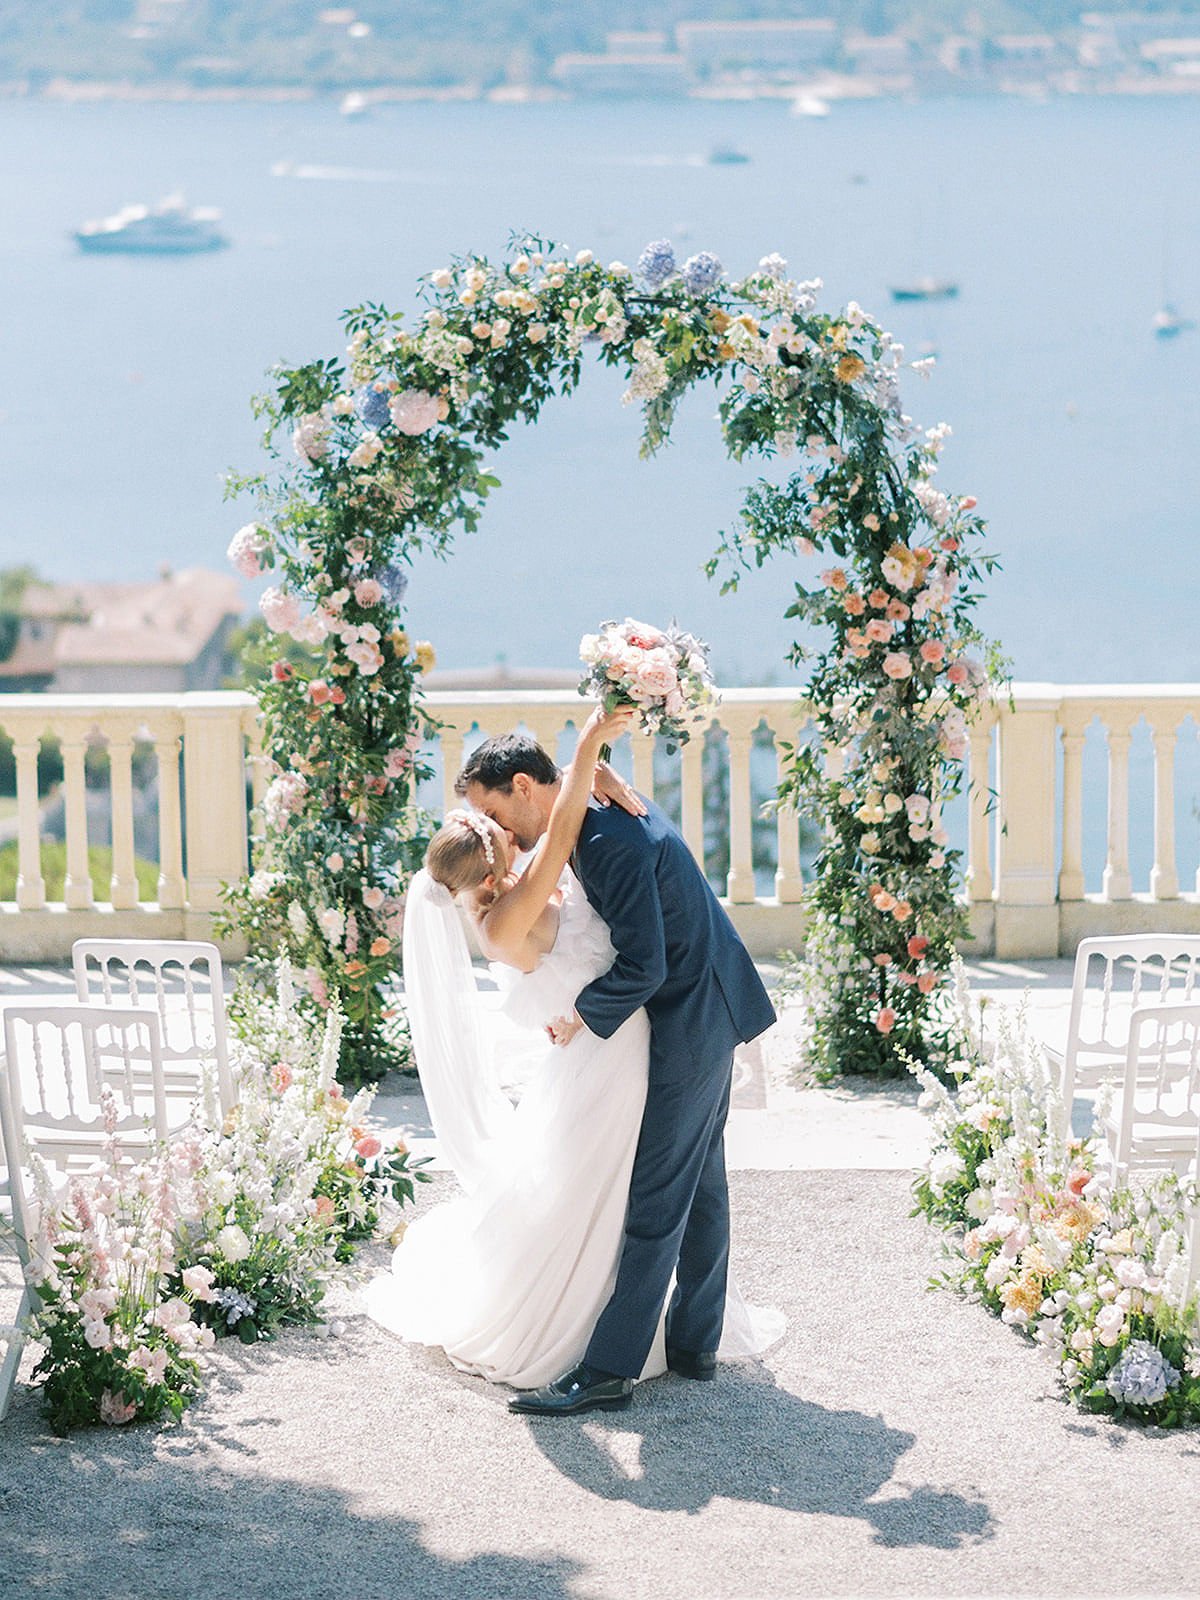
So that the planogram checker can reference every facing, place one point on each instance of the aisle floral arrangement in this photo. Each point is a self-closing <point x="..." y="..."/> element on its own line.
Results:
<point x="238" y="1226"/>
<point x="1095" y="1272"/>
<point x="381" y="454"/>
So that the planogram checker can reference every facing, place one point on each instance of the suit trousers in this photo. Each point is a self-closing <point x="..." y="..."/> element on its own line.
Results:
<point x="677" y="1222"/>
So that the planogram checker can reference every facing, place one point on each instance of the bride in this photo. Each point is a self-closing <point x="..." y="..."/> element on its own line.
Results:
<point x="510" y="1278"/>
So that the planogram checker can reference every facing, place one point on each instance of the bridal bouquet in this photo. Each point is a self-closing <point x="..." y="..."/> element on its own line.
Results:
<point x="664" y="674"/>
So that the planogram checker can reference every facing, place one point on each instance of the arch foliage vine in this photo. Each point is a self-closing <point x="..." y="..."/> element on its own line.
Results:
<point x="387" y="457"/>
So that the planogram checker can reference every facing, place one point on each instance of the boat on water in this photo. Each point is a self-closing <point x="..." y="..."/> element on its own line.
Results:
<point x="170" y="228"/>
<point x="808" y="104"/>
<point x="354" y="104"/>
<point x="726" y="155"/>
<point x="925" y="289"/>
<point x="1169" y="322"/>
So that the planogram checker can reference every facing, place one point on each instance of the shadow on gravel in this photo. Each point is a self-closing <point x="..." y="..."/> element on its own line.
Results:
<point x="683" y="1445"/>
<point x="118" y="1518"/>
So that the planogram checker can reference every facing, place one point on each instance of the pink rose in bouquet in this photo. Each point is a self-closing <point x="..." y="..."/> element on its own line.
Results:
<point x="664" y="673"/>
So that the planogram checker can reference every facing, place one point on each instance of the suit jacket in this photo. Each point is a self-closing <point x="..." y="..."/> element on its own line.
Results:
<point x="677" y="952"/>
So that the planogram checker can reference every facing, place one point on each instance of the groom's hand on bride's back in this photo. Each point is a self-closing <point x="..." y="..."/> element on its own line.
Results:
<point x="563" y="1029"/>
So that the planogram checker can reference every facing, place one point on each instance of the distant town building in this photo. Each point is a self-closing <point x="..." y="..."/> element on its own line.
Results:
<point x="1180" y="57"/>
<point x="162" y="637"/>
<point x="636" y="44"/>
<point x="878" y="55"/>
<point x="629" y="73"/>
<point x="781" y="47"/>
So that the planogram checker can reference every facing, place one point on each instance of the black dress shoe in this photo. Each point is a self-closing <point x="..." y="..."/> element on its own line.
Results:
<point x="584" y="1388"/>
<point x="700" y="1364"/>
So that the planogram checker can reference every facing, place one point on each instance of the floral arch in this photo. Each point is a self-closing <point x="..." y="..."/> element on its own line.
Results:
<point x="388" y="451"/>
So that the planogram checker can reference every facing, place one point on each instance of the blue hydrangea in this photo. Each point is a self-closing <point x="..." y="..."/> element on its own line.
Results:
<point x="393" y="580"/>
<point x="235" y="1305"/>
<point x="702" y="272"/>
<point x="656" y="263"/>
<point x="1142" y="1376"/>
<point x="371" y="404"/>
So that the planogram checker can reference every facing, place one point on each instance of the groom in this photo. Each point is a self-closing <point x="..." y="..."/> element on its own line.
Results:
<point x="677" y="955"/>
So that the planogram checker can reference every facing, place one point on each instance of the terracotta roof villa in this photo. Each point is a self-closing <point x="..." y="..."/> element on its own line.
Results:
<point x="164" y="636"/>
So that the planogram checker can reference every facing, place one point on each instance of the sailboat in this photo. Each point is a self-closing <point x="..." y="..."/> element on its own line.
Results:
<point x="1168" y="321"/>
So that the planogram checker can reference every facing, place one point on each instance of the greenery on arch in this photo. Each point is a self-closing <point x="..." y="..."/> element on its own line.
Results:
<point x="384" y="453"/>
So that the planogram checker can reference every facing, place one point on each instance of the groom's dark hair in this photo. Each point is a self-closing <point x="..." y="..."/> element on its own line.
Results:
<point x="497" y="761"/>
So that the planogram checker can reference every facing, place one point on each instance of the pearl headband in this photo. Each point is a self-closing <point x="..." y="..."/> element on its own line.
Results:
<point x="479" y="828"/>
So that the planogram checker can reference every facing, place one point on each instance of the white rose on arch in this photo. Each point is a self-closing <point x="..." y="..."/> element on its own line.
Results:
<point x="413" y="411"/>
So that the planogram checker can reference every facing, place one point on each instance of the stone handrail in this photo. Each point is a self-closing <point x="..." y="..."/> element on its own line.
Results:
<point x="1025" y="872"/>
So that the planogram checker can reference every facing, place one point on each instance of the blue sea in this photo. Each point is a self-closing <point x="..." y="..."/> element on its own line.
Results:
<point x="125" y="383"/>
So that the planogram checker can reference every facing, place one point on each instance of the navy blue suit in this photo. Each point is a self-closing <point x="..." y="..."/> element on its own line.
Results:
<point x="679" y="956"/>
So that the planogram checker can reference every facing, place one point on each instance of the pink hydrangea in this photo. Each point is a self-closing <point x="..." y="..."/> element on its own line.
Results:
<point x="413" y="411"/>
<point x="246" y="550"/>
<point x="280" y="609"/>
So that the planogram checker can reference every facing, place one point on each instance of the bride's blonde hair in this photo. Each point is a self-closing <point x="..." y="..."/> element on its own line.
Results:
<point x="460" y="854"/>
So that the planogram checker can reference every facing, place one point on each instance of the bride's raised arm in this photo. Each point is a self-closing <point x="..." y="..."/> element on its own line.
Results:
<point x="510" y="920"/>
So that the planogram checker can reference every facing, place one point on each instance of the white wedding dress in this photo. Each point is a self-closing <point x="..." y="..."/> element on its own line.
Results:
<point x="510" y="1278"/>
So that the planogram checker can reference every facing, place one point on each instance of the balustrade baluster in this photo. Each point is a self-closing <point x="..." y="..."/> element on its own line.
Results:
<point x="124" y="890"/>
<point x="789" y="882"/>
<point x="77" y="887"/>
<point x="1070" y="877"/>
<point x="643" y="764"/>
<point x="31" y="886"/>
<point x="171" y="892"/>
<point x="740" y="883"/>
<point x="1117" y="884"/>
<point x="1164" y="877"/>
<point x="979" y="819"/>
<point x="691" y="795"/>
<point x="451" y="741"/>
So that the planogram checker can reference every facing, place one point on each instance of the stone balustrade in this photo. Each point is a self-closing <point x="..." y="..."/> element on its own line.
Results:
<point x="1024" y="829"/>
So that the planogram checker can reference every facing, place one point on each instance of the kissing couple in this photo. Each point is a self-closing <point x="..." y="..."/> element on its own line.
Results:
<point x="590" y="1246"/>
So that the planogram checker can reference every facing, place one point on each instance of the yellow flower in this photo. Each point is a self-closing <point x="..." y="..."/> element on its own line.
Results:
<point x="1023" y="1294"/>
<point x="838" y="336"/>
<point x="1034" y="1261"/>
<point x="849" y="368"/>
<point x="397" y="1234"/>
<point x="719" y="321"/>
<point x="749" y="323"/>
<point x="726" y="351"/>
<point x="398" y="640"/>
<point x="425" y="654"/>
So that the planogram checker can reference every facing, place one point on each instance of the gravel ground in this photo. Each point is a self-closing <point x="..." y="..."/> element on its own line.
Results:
<point x="896" y="1443"/>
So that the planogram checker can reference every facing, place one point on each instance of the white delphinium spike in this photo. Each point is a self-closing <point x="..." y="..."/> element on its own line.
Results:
<point x="330" y="1048"/>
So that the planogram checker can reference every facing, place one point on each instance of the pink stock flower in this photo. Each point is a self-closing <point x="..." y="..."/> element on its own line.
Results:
<point x="368" y="592"/>
<point x="281" y="1077"/>
<point x="281" y="671"/>
<point x="897" y="665"/>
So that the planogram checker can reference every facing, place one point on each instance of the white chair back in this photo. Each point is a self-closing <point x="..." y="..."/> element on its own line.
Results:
<point x="1158" y="1123"/>
<point x="59" y="1058"/>
<point x="1114" y="977"/>
<point x="183" y="980"/>
<point x="19" y="1215"/>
